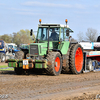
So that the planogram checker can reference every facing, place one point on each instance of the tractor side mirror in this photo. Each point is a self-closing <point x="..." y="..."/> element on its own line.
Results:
<point x="67" y="32"/>
<point x="31" y="32"/>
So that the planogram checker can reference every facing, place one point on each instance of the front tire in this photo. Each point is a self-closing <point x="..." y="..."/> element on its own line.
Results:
<point x="3" y="57"/>
<point x="54" y="63"/>
<point x="76" y="59"/>
<point x="19" y="55"/>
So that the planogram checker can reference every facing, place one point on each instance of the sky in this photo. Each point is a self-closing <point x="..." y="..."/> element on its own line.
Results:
<point x="25" y="14"/>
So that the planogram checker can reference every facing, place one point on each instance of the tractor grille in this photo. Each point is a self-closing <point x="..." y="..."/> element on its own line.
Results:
<point x="34" y="49"/>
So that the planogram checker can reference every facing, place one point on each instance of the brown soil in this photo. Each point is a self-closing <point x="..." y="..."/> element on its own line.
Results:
<point x="43" y="87"/>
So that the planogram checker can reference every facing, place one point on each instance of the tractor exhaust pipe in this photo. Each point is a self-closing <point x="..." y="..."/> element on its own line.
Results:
<point x="66" y="21"/>
<point x="48" y="40"/>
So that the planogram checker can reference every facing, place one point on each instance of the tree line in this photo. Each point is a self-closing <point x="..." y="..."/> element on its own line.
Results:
<point x="91" y="35"/>
<point x="21" y="37"/>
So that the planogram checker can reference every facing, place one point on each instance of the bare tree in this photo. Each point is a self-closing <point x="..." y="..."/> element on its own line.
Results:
<point x="73" y="40"/>
<point x="91" y="35"/>
<point x="80" y="36"/>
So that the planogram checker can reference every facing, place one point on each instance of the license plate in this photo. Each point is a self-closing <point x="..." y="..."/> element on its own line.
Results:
<point x="25" y="62"/>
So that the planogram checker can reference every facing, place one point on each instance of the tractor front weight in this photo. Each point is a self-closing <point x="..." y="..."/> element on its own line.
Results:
<point x="27" y="63"/>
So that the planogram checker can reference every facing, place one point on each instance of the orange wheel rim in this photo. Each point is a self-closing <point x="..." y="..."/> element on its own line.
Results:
<point x="57" y="64"/>
<point x="79" y="59"/>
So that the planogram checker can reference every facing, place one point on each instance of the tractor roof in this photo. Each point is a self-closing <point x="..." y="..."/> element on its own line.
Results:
<point x="54" y="25"/>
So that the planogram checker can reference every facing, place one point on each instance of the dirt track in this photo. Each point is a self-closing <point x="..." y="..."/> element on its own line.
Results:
<point x="44" y="87"/>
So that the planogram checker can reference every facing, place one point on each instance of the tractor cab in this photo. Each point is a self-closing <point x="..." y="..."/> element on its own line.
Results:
<point x="54" y="33"/>
<point x="51" y="37"/>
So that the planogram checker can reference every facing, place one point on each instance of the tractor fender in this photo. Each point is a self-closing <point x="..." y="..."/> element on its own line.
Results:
<point x="57" y="51"/>
<point x="72" y="43"/>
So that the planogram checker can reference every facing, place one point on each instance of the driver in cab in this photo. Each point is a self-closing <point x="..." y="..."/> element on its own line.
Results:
<point x="54" y="35"/>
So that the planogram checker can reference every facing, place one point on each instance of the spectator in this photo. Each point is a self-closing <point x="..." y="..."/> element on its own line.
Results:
<point x="13" y="52"/>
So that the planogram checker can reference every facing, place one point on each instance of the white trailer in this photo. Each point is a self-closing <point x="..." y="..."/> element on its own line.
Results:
<point x="91" y="56"/>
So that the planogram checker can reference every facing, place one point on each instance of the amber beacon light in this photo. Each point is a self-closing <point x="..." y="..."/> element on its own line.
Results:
<point x="66" y="20"/>
<point x="40" y="21"/>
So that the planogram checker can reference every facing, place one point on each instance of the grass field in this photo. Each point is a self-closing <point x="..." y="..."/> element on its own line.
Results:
<point x="5" y="68"/>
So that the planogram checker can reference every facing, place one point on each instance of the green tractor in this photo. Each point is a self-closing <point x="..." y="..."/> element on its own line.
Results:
<point x="51" y="51"/>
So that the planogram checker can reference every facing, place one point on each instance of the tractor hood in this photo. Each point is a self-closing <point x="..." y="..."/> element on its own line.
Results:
<point x="36" y="49"/>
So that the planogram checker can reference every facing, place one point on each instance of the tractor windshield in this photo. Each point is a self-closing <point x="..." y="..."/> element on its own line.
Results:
<point x="15" y="47"/>
<point x="43" y="34"/>
<point x="10" y="46"/>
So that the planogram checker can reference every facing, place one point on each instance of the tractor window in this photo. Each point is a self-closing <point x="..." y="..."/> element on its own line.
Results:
<point x="15" y="47"/>
<point x="53" y="34"/>
<point x="42" y="34"/>
<point x="10" y="46"/>
<point x="66" y="37"/>
<point x="62" y="35"/>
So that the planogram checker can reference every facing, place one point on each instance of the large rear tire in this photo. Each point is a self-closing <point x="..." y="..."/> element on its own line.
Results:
<point x="54" y="63"/>
<point x="76" y="59"/>
<point x="66" y="68"/>
<point x="19" y="55"/>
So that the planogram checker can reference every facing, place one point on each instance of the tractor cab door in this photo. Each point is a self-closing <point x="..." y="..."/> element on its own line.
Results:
<point x="64" y="41"/>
